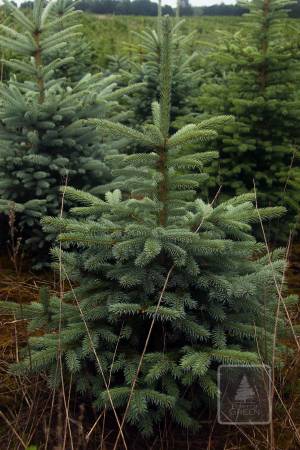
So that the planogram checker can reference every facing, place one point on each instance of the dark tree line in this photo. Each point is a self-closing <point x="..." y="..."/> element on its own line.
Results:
<point x="149" y="8"/>
<point x="222" y="10"/>
<point x="122" y="7"/>
<point x="236" y="10"/>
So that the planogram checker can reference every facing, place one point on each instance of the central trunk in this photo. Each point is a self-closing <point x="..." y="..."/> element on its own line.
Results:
<point x="38" y="65"/>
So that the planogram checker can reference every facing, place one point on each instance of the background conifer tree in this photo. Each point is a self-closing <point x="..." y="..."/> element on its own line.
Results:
<point x="144" y="66"/>
<point x="77" y="47"/>
<point x="43" y="135"/>
<point x="4" y="53"/>
<point x="254" y="75"/>
<point x="152" y="256"/>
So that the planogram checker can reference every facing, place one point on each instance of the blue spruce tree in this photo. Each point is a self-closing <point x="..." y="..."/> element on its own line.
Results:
<point x="144" y="66"/>
<point x="44" y="136"/>
<point x="165" y="287"/>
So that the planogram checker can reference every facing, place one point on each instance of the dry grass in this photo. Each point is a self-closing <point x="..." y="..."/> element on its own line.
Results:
<point x="19" y="398"/>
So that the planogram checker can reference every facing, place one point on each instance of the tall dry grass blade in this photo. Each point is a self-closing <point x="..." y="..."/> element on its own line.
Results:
<point x="280" y="302"/>
<point x="96" y="357"/>
<point x="143" y="352"/>
<point x="24" y="445"/>
<point x="278" y="289"/>
<point x="61" y="294"/>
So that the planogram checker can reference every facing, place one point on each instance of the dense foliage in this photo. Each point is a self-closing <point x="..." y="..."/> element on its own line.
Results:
<point x="254" y="75"/>
<point x="153" y="256"/>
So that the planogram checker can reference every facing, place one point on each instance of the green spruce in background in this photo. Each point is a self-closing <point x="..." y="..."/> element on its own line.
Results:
<point x="152" y="253"/>
<point x="254" y="75"/>
<point x="144" y="66"/>
<point x="4" y="53"/>
<point x="78" y="47"/>
<point x="44" y="137"/>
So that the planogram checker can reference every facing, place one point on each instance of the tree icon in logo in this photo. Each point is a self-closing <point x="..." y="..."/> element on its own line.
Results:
<point x="245" y="392"/>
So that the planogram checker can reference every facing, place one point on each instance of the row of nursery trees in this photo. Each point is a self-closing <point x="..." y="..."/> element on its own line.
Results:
<point x="165" y="278"/>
